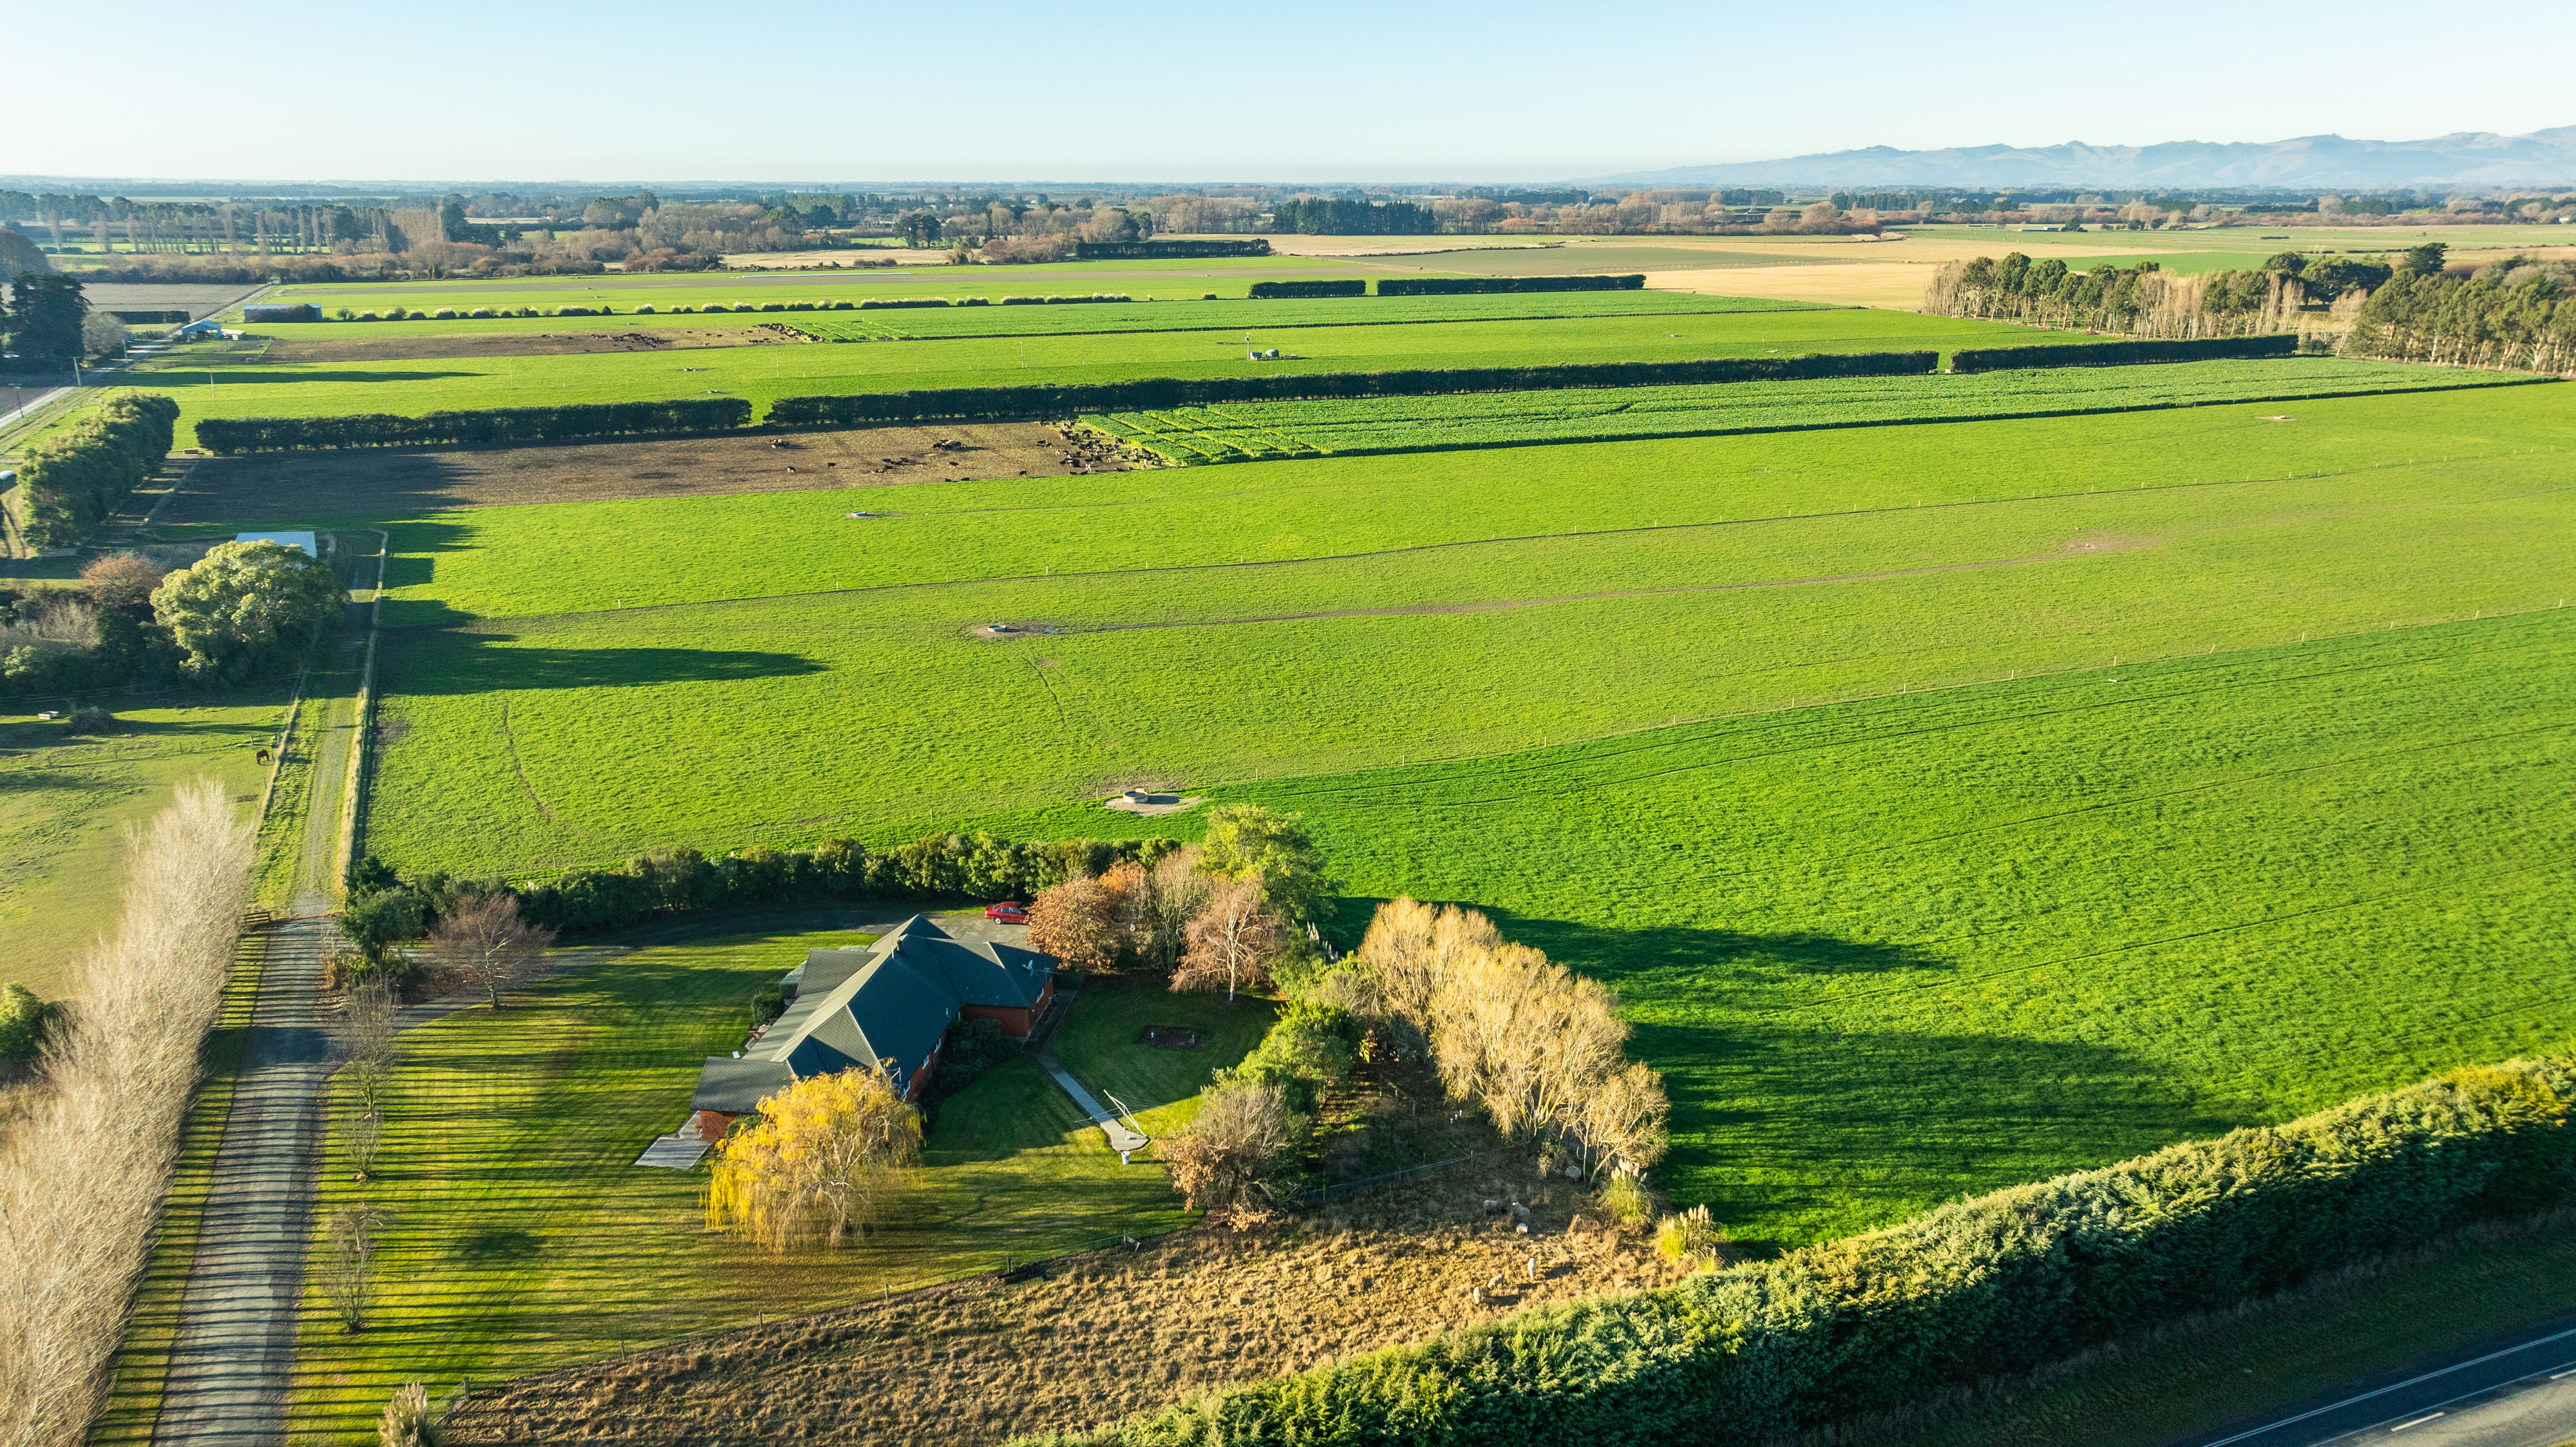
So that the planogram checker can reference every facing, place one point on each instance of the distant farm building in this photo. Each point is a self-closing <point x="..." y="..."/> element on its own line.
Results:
<point x="890" y="1003"/>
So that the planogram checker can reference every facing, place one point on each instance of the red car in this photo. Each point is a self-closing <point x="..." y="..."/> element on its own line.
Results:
<point x="1008" y="912"/>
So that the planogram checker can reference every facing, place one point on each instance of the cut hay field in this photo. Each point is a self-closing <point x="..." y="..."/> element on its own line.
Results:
<point x="763" y="374"/>
<point x="1252" y="431"/>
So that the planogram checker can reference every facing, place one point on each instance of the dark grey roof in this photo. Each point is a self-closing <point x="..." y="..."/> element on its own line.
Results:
<point x="737" y="1087"/>
<point x="892" y="1000"/>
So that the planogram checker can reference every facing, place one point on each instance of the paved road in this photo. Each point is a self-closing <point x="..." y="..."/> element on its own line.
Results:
<point x="235" y="1355"/>
<point x="2511" y="1394"/>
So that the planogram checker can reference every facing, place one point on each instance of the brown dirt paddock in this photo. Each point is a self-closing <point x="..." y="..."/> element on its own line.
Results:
<point x="387" y="482"/>
<point x="1100" y="1335"/>
<point x="526" y="344"/>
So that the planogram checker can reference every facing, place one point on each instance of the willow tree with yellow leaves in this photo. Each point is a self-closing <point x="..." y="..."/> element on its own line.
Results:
<point x="827" y="1158"/>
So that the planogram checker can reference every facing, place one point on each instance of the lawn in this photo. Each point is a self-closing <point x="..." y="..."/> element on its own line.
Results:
<point x="65" y="802"/>
<point x="1103" y="1043"/>
<point x="214" y="388"/>
<point x="581" y="736"/>
<point x="1253" y="431"/>
<point x="522" y="1239"/>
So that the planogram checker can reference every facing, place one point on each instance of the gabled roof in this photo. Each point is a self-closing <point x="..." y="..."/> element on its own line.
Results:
<point x="893" y="999"/>
<point x="737" y="1087"/>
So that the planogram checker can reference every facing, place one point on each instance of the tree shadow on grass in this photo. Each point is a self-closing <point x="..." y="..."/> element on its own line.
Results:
<point x="1822" y="1085"/>
<point x="443" y="663"/>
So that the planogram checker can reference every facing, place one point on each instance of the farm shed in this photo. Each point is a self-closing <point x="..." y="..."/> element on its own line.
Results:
<point x="891" y="1001"/>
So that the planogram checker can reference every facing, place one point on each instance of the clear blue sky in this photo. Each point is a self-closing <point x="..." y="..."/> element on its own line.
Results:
<point x="1007" y="90"/>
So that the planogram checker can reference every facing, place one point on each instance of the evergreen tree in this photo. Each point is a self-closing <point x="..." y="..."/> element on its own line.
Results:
<point x="45" y="316"/>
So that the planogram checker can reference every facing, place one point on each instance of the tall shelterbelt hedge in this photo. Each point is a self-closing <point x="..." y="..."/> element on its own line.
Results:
<point x="1261" y="289"/>
<point x="2119" y="354"/>
<point x="1148" y="392"/>
<point x="74" y="480"/>
<point x="1999" y="1283"/>
<point x="499" y="424"/>
<point x="1481" y="285"/>
<point x="1168" y="250"/>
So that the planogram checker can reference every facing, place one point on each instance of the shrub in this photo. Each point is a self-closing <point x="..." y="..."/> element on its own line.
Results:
<point x="408" y="1420"/>
<point x="1995" y="1284"/>
<point x="24" y="1021"/>
<point x="1354" y="287"/>
<point x="298" y="312"/>
<point x="1689" y="1235"/>
<point x="481" y="311"/>
<point x="1156" y="393"/>
<point x="1240" y="1150"/>
<point x="574" y="311"/>
<point x="89" y="718"/>
<point x="1480" y="285"/>
<point x="444" y="314"/>
<point x="644" y="309"/>
<point x="1627" y="1201"/>
<point x="771" y="306"/>
<point x="2119" y="354"/>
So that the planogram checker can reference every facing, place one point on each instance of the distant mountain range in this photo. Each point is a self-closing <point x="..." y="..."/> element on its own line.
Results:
<point x="2465" y="158"/>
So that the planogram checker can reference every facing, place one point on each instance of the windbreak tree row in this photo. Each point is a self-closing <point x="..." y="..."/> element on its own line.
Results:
<point x="2119" y="354"/>
<point x="75" y="480"/>
<point x="499" y="424"/>
<point x="1155" y="392"/>
<point x="1999" y="1283"/>
<point x="1484" y="285"/>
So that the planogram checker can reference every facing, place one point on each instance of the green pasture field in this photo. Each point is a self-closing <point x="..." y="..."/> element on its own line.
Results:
<point x="65" y="802"/>
<point x="1188" y="529"/>
<point x="1226" y="276"/>
<point x="1250" y="431"/>
<point x="914" y="323"/>
<point x="521" y="1238"/>
<point x="764" y="374"/>
<point x="1894" y="951"/>
<point x="1681" y="581"/>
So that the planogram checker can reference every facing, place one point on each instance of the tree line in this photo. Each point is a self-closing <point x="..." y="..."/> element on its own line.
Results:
<point x="76" y="479"/>
<point x="2143" y="300"/>
<point x="1996" y="1284"/>
<point x="1158" y="392"/>
<point x="243" y="611"/>
<point x="473" y="427"/>
<point x="2517" y="313"/>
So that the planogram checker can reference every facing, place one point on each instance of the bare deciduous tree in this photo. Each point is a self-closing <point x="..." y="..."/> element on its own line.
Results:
<point x="83" y="1174"/>
<point x="1234" y="938"/>
<point x="362" y="1139"/>
<point x="483" y="939"/>
<point x="349" y="1260"/>
<point x="363" y="1033"/>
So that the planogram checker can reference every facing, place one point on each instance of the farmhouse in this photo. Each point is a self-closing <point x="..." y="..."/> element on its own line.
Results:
<point x="892" y="1002"/>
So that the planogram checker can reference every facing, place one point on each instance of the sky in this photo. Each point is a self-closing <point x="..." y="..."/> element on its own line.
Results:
<point x="1327" y="90"/>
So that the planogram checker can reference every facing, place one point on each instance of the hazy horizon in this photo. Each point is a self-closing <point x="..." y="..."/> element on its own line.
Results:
<point x="1140" y="94"/>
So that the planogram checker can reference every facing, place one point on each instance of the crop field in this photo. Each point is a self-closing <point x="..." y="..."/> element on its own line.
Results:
<point x="763" y="374"/>
<point x="1250" y="431"/>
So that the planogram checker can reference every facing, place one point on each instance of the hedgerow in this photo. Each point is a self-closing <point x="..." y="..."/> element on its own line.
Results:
<point x="1479" y="285"/>
<point x="1307" y="288"/>
<point x="501" y="424"/>
<point x="1155" y="392"/>
<point x="2119" y="354"/>
<point x="73" y="481"/>
<point x="1168" y="250"/>
<point x="1999" y="1283"/>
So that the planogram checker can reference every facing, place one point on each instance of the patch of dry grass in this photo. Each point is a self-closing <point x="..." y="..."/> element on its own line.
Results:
<point x="1106" y="1333"/>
